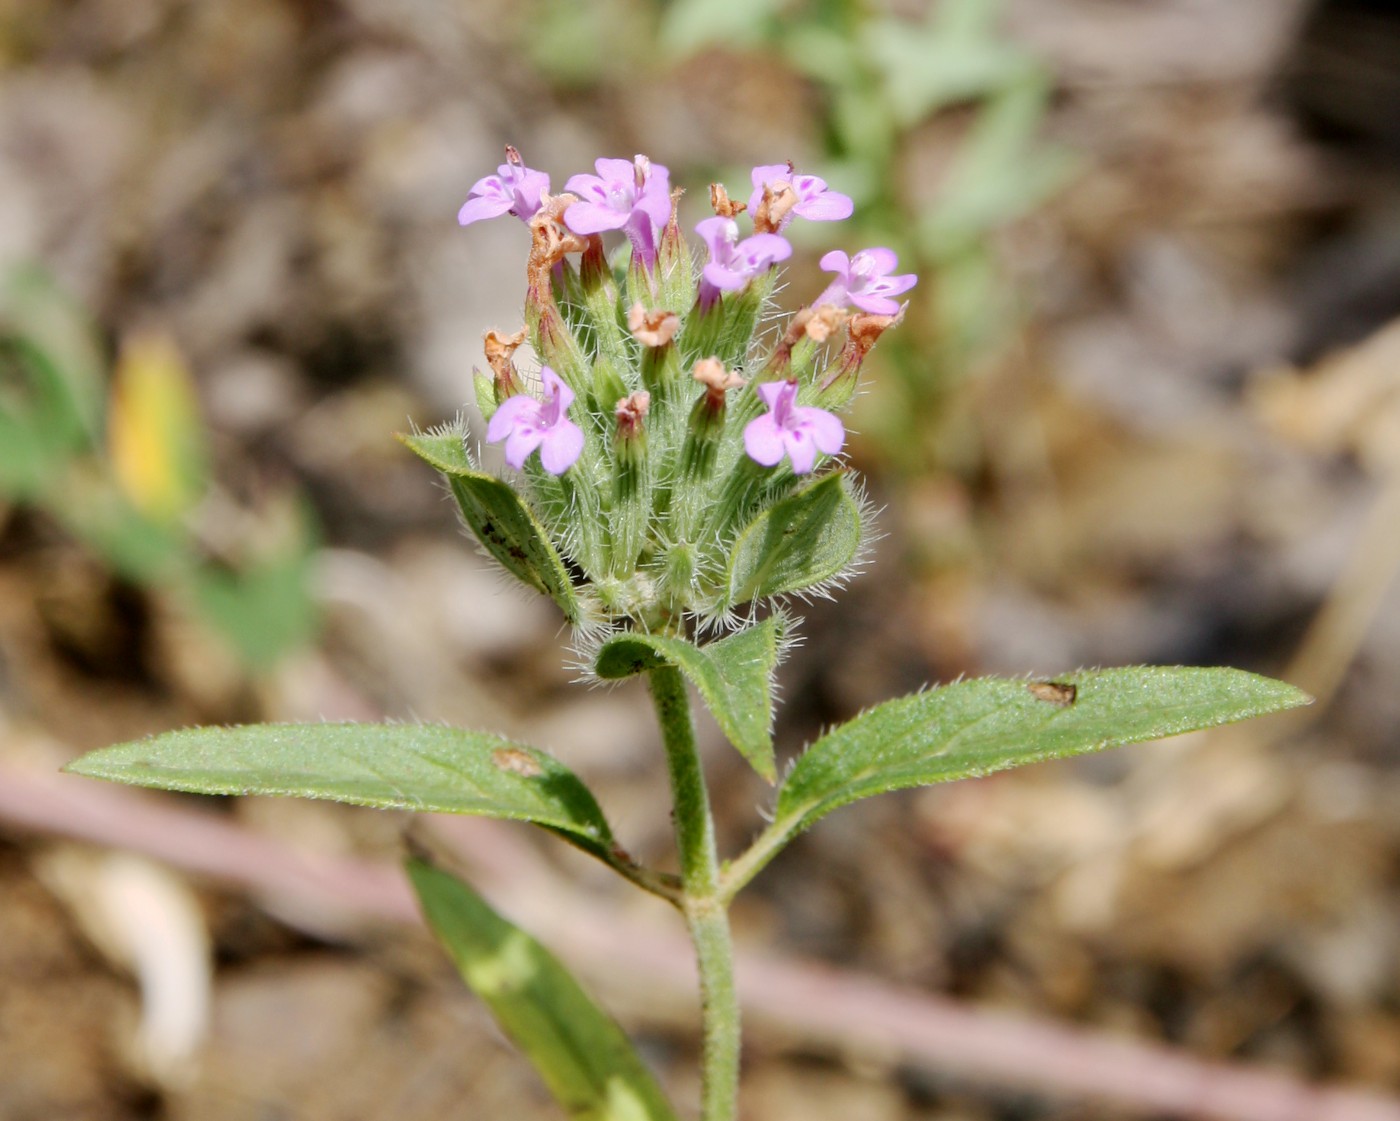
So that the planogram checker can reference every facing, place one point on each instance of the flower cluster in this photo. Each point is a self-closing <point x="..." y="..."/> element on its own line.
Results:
<point x="669" y="439"/>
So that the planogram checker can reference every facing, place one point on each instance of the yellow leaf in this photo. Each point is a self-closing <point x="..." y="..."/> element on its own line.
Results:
<point x="154" y="432"/>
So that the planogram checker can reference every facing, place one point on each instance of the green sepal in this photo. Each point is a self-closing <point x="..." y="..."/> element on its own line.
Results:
<point x="740" y="318"/>
<point x="422" y="767"/>
<point x="500" y="519"/>
<point x="676" y="281"/>
<point x="582" y="1054"/>
<point x="975" y="728"/>
<point x="733" y="674"/>
<point x="798" y="543"/>
<point x="484" y="385"/>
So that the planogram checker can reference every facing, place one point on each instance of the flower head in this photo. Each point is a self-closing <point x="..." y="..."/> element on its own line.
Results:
<point x="526" y="424"/>
<point x="863" y="281"/>
<point x="797" y="431"/>
<point x="514" y="189"/>
<point x="791" y="195"/>
<point x="733" y="263"/>
<point x="634" y="197"/>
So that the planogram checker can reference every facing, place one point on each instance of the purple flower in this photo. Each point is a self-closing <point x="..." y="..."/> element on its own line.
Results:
<point x="526" y="424"/>
<point x="633" y="197"/>
<point x="797" y="431"/>
<point x="815" y="201"/>
<point x="733" y="263"/>
<point x="514" y="189"/>
<point x="863" y="281"/>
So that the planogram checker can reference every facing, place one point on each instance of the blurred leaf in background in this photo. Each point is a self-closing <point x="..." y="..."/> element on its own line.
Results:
<point x="146" y="501"/>
<point x="881" y="79"/>
<point x="155" y="437"/>
<point x="50" y="382"/>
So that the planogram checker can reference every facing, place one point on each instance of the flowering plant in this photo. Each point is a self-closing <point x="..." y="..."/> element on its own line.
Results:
<point x="670" y="484"/>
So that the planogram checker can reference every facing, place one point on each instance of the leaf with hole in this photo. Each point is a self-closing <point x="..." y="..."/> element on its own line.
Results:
<point x="974" y="728"/>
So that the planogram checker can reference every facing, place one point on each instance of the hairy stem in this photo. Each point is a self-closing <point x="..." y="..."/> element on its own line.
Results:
<point x="743" y="868"/>
<point x="705" y="909"/>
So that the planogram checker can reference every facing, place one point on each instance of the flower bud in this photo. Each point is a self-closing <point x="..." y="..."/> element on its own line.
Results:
<point x="598" y="295"/>
<point x="862" y="333"/>
<point x="652" y="328"/>
<point x="675" y="275"/>
<point x="778" y="200"/>
<point x="797" y="349"/>
<point x="555" y="342"/>
<point x="499" y="351"/>
<point x="722" y="204"/>
<point x="699" y="453"/>
<point x="630" y="413"/>
<point x="660" y="365"/>
<point x="631" y="507"/>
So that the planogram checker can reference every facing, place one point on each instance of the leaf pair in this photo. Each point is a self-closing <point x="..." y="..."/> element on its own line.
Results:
<point x="957" y="731"/>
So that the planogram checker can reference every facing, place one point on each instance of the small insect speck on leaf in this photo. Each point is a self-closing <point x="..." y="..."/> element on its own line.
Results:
<point x="1056" y="693"/>
<point x="516" y="761"/>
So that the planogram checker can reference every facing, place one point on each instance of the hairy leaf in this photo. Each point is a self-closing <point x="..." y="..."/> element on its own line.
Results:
<point x="797" y="543"/>
<point x="734" y="676"/>
<point x="584" y="1057"/>
<point x="976" y="727"/>
<point x="393" y="766"/>
<point x="500" y="519"/>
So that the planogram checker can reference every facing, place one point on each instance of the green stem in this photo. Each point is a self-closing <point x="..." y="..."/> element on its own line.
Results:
<point x="743" y="868"/>
<point x="705" y="908"/>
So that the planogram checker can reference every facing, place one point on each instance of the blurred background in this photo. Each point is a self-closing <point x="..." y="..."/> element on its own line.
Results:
<point x="1145" y="408"/>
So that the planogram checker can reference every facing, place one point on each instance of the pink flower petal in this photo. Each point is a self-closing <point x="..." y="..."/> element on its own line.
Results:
<point x="770" y="392"/>
<point x="826" y="207"/>
<point x="523" y="439"/>
<point x="561" y="447"/>
<point x="875" y="262"/>
<point x="511" y="412"/>
<point x="763" y="440"/>
<point x="482" y="206"/>
<point x="801" y="450"/>
<point x="624" y="171"/>
<point x="826" y="429"/>
<point x="556" y="390"/>
<point x="875" y="305"/>
<point x="593" y="218"/>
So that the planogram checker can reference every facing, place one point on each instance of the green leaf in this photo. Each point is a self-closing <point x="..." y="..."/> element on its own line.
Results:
<point x="265" y="609"/>
<point x="94" y="509"/>
<point x="955" y="55"/>
<point x="734" y="676"/>
<point x="977" y="727"/>
<point x="428" y="768"/>
<point x="1001" y="172"/>
<point x="690" y="26"/>
<point x="583" y="1055"/>
<point x="500" y="519"/>
<point x="797" y="543"/>
<point x="41" y="430"/>
<point x="37" y="316"/>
